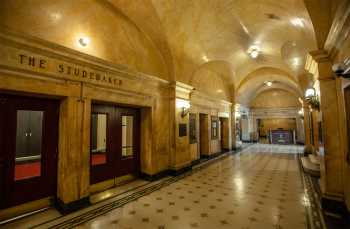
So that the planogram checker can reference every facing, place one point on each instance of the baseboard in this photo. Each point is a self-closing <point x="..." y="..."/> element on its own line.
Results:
<point x="154" y="177"/>
<point x="335" y="207"/>
<point x="176" y="172"/>
<point x="64" y="208"/>
<point x="195" y="162"/>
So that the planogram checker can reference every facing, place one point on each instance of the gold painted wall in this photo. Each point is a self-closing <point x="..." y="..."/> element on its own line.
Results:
<point x="113" y="36"/>
<point x="213" y="79"/>
<point x="274" y="124"/>
<point x="275" y="98"/>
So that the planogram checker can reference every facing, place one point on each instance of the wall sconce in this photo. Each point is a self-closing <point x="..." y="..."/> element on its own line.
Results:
<point x="237" y="115"/>
<point x="312" y="98"/>
<point x="184" y="105"/>
<point x="309" y="93"/>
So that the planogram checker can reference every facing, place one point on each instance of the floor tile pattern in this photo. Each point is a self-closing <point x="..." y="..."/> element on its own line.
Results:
<point x="261" y="187"/>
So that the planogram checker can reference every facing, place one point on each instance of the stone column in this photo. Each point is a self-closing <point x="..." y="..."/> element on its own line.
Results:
<point x="181" y="154"/>
<point x="233" y="127"/>
<point x="74" y="155"/>
<point x="307" y="125"/>
<point x="333" y="157"/>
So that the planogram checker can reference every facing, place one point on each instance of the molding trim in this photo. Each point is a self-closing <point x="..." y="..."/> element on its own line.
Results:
<point x="340" y="29"/>
<point x="42" y="47"/>
<point x="72" y="206"/>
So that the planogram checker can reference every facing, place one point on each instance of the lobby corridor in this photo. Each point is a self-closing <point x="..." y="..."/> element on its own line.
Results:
<point x="260" y="187"/>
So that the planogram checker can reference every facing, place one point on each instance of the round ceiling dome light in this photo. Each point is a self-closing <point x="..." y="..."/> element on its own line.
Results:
<point x="84" y="41"/>
<point x="297" y="22"/>
<point x="254" y="51"/>
<point x="254" y="54"/>
<point x="293" y="54"/>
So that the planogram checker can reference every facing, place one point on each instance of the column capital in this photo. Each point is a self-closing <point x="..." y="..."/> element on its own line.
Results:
<point x="319" y="64"/>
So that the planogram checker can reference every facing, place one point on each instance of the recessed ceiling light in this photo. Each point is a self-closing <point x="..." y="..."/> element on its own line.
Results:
<point x="254" y="54"/>
<point x="84" y="41"/>
<point x="55" y="16"/>
<point x="298" y="22"/>
<point x="205" y="58"/>
<point x="268" y="83"/>
<point x="254" y="51"/>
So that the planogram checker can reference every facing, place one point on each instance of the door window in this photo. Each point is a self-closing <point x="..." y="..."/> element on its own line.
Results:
<point x="127" y="136"/>
<point x="98" y="139"/>
<point x="28" y="144"/>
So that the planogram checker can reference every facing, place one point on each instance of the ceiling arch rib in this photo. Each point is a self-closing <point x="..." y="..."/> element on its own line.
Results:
<point x="255" y="82"/>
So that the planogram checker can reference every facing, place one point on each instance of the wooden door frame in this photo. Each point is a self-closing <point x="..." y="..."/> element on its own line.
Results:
<point x="47" y="181"/>
<point x="204" y="147"/>
<point x="100" y="173"/>
<point x="136" y="138"/>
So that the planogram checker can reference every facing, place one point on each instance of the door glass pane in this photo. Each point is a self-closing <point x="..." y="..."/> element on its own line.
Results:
<point x="98" y="139"/>
<point x="28" y="144"/>
<point x="127" y="136"/>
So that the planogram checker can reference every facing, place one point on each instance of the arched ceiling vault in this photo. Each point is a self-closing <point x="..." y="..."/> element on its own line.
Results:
<point x="174" y="39"/>
<point x="190" y="33"/>
<point x="254" y="83"/>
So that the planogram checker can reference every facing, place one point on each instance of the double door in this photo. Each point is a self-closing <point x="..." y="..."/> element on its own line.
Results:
<point x="28" y="149"/>
<point x="114" y="142"/>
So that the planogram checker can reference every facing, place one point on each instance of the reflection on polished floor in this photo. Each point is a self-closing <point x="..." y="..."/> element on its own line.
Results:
<point x="260" y="187"/>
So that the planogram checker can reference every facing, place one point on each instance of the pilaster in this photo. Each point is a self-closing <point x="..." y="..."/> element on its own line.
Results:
<point x="74" y="156"/>
<point x="320" y="65"/>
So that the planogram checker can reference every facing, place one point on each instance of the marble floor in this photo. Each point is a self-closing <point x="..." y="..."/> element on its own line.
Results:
<point x="260" y="187"/>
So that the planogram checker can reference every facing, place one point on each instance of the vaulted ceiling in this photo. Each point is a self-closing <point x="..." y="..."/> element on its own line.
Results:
<point x="200" y="31"/>
<point x="179" y="37"/>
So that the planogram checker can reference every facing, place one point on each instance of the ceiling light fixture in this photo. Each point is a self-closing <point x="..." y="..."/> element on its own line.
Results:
<point x="268" y="83"/>
<point x="254" y="54"/>
<point x="297" y="22"/>
<point x="84" y="41"/>
<point x="205" y="58"/>
<point x="254" y="51"/>
<point x="296" y="61"/>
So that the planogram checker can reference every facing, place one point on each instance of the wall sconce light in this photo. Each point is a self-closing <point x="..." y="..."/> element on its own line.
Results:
<point x="184" y="105"/>
<point x="237" y="115"/>
<point x="310" y="93"/>
<point x="312" y="98"/>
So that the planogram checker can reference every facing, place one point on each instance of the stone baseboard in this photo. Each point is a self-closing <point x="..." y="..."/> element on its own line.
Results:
<point x="65" y="209"/>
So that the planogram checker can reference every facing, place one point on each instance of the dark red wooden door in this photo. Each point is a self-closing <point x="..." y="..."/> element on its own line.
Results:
<point x="114" y="142"/>
<point x="28" y="153"/>
<point x="127" y="149"/>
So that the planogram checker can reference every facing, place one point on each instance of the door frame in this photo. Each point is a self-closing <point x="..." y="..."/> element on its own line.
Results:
<point x="14" y="191"/>
<point x="204" y="147"/>
<point x="114" y="131"/>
